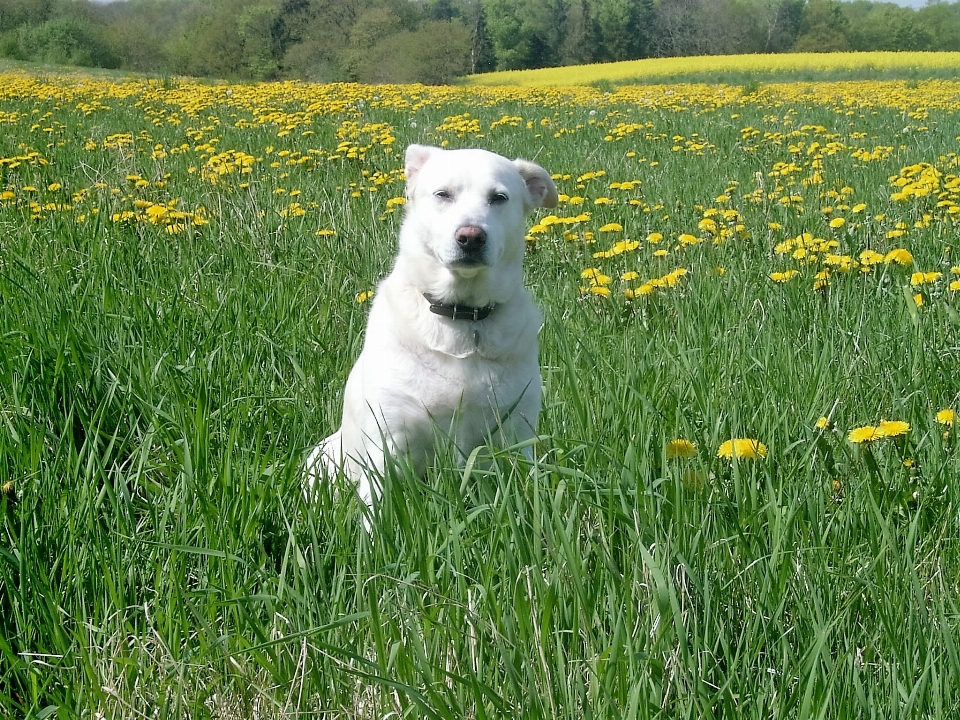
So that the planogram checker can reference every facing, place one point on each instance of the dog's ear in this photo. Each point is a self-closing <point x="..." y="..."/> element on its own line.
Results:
<point x="415" y="158"/>
<point x="543" y="193"/>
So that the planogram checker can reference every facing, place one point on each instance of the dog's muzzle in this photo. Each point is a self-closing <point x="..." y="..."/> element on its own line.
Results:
<point x="472" y="243"/>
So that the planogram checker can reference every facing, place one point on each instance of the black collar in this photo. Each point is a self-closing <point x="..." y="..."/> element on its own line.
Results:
<point x="459" y="312"/>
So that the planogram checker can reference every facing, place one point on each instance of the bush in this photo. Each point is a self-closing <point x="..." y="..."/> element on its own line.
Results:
<point x="65" y="41"/>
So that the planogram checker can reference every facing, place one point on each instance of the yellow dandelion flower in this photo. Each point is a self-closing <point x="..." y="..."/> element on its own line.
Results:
<point x="899" y="256"/>
<point x="747" y="448"/>
<point x="870" y="257"/>
<point x="946" y="416"/>
<point x="600" y="290"/>
<point x="326" y="232"/>
<point x="837" y="222"/>
<point x="925" y="278"/>
<point x="364" y="296"/>
<point x="782" y="277"/>
<point x="681" y="448"/>
<point x="629" y="275"/>
<point x="867" y="433"/>
<point x="893" y="428"/>
<point x="823" y="423"/>
<point x="654" y="237"/>
<point x="611" y="227"/>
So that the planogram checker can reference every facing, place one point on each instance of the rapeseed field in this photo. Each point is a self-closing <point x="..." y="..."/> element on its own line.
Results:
<point x="745" y="497"/>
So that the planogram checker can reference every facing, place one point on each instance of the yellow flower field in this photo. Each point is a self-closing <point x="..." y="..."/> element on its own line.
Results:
<point x="649" y="70"/>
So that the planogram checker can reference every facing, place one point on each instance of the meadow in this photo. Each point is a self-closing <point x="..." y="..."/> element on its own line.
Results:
<point x="744" y="501"/>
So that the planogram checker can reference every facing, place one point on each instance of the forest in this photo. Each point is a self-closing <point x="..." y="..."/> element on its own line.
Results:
<point x="436" y="41"/>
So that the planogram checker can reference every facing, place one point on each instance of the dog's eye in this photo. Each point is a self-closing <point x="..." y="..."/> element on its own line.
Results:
<point x="498" y="198"/>
<point x="443" y="195"/>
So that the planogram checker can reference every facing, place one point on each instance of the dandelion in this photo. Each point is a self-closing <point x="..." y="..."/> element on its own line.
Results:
<point x="893" y="428"/>
<point x="886" y="429"/>
<point x="921" y="278"/>
<point x="946" y="417"/>
<point x="898" y="256"/>
<point x="362" y="297"/>
<point x="782" y="277"/>
<point x="596" y="276"/>
<point x="837" y="222"/>
<point x="823" y="423"/>
<point x="681" y="448"/>
<point x="746" y="448"/>
<point x="865" y="434"/>
<point x="611" y="227"/>
<point x="326" y="232"/>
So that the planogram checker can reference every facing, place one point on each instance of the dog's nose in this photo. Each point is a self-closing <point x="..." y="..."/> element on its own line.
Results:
<point x="471" y="238"/>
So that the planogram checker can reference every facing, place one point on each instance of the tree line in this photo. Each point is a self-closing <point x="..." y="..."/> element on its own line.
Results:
<point x="435" y="41"/>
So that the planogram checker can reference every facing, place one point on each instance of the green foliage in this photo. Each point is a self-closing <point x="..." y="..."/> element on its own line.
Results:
<point x="62" y="41"/>
<point x="823" y="28"/>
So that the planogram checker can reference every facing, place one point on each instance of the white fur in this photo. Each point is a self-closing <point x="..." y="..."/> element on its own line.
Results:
<point x="420" y="373"/>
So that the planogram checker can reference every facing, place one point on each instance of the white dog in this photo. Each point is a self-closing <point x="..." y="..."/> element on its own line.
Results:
<point x="451" y="342"/>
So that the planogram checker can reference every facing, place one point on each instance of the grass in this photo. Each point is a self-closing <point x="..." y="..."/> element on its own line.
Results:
<point x="163" y="375"/>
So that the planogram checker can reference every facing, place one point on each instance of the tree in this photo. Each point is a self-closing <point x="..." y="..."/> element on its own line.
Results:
<point x="779" y="21"/>
<point x="621" y="29"/>
<point x="482" y="56"/>
<point x="885" y="27"/>
<point x="315" y="37"/>
<point x="371" y="29"/>
<point x="436" y="54"/>
<point x="942" y="24"/>
<point x="823" y="28"/>
<point x="580" y="44"/>
<point x="66" y="40"/>
<point x="513" y="40"/>
<point x="678" y="29"/>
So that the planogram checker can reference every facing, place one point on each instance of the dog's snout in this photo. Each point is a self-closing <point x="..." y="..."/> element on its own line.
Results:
<point x="471" y="238"/>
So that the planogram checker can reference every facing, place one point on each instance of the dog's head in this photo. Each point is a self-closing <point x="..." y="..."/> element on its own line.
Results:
<point x="466" y="208"/>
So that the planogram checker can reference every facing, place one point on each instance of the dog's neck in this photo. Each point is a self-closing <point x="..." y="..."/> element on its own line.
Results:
<point x="456" y="311"/>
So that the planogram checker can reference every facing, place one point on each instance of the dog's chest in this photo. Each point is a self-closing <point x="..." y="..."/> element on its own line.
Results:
<point x="445" y="382"/>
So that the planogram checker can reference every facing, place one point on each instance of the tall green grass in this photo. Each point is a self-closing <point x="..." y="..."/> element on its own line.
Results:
<point x="158" y="391"/>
